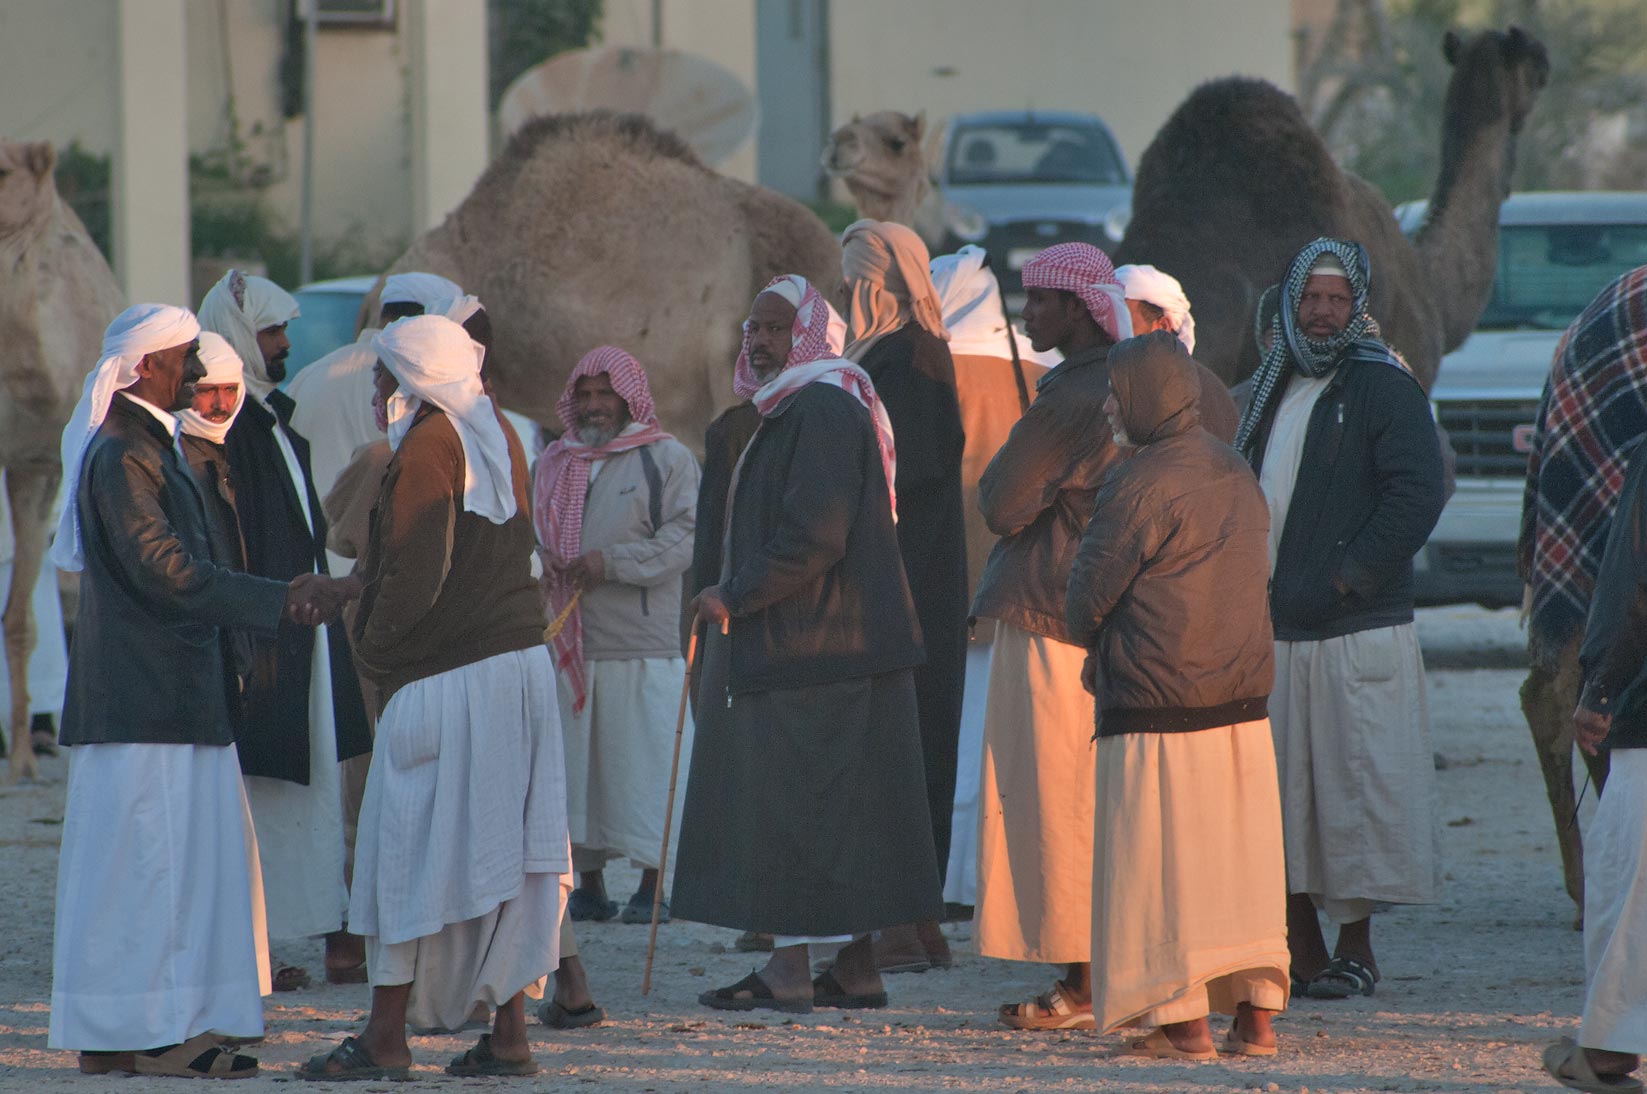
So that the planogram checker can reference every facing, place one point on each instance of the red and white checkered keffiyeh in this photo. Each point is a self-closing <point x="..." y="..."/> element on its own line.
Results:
<point x="1087" y="272"/>
<point x="815" y="358"/>
<point x="561" y="486"/>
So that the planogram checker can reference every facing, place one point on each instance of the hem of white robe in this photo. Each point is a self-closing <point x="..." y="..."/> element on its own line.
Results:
<point x="1615" y="910"/>
<point x="1259" y="977"/>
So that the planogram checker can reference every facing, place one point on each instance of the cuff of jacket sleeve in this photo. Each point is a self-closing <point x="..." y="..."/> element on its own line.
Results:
<point x="1595" y="697"/>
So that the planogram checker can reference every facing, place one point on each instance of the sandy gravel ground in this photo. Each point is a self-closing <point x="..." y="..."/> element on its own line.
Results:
<point x="1473" y="987"/>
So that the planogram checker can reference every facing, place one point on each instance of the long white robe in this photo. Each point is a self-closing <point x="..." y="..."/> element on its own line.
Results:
<point x="463" y="837"/>
<point x="961" y="875"/>
<point x="1615" y="910"/>
<point x="159" y="933"/>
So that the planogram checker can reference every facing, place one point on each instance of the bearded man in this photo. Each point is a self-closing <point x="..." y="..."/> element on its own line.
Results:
<point x="304" y="711"/>
<point x="806" y="814"/>
<point x="1340" y="435"/>
<point x="463" y="830"/>
<point x="159" y="950"/>
<point x="615" y="504"/>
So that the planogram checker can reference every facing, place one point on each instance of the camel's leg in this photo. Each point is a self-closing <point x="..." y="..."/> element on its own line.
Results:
<point x="29" y="490"/>
<point x="1547" y="700"/>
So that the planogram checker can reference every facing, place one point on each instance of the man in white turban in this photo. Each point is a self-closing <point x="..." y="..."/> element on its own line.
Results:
<point x="1156" y="301"/>
<point x="304" y="711"/>
<point x="159" y="941"/>
<point x="463" y="836"/>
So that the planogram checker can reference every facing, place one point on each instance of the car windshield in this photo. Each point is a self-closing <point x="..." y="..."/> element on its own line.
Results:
<point x="327" y="321"/>
<point x="1549" y="273"/>
<point x="1033" y="152"/>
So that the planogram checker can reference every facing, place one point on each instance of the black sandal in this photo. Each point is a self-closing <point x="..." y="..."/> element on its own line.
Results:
<point x="1342" y="978"/>
<point x="760" y="997"/>
<point x="827" y="992"/>
<point x="481" y="1060"/>
<point x="354" y="1064"/>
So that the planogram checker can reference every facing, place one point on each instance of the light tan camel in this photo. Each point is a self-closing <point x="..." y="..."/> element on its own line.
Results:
<point x="596" y="228"/>
<point x="57" y="297"/>
<point x="1236" y="182"/>
<point x="884" y="161"/>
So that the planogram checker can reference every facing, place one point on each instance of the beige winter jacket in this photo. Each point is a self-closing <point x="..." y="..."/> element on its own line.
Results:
<point x="644" y="532"/>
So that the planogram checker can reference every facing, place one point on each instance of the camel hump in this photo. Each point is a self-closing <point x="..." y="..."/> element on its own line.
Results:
<point x="632" y="133"/>
<point x="1239" y="135"/>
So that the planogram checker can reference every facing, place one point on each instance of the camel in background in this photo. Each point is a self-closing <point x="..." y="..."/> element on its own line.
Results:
<point x="597" y="228"/>
<point x="1237" y="181"/>
<point x="58" y="296"/>
<point x="885" y="163"/>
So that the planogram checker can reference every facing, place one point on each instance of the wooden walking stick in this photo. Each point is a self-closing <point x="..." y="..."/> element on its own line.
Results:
<point x="669" y="807"/>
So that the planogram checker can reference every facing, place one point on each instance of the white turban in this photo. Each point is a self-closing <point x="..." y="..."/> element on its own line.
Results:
<point x="139" y="330"/>
<point x="437" y="362"/>
<point x="239" y="306"/>
<point x="425" y="289"/>
<point x="223" y="366"/>
<point x="1150" y="285"/>
<point x="457" y="308"/>
<point x="970" y="297"/>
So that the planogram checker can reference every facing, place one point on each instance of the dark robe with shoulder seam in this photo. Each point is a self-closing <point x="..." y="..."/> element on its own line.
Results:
<point x="280" y="544"/>
<point x="915" y="378"/>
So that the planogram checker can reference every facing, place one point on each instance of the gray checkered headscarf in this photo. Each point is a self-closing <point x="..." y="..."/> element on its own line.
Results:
<point x="1292" y="350"/>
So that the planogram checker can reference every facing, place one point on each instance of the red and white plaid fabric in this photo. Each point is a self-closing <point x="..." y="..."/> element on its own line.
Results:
<point x="561" y="487"/>
<point x="1086" y="271"/>
<point x="1594" y="406"/>
<point x="815" y="358"/>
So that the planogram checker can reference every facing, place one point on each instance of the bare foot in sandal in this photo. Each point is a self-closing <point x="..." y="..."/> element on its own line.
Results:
<point x="1055" y="1009"/>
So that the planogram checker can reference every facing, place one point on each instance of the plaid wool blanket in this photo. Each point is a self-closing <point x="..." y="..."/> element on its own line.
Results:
<point x="1594" y="405"/>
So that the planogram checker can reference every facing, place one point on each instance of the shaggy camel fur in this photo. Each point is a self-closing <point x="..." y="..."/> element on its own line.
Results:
<point x="1237" y="181"/>
<point x="56" y="298"/>
<point x="596" y="228"/>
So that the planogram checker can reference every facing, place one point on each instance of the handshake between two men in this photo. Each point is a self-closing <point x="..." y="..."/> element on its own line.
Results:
<point x="315" y="599"/>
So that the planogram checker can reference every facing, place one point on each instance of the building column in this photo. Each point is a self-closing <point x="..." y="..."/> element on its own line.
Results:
<point x="451" y="127"/>
<point x="150" y="201"/>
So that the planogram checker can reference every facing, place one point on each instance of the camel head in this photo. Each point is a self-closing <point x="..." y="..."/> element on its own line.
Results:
<point x="882" y="162"/>
<point x="1496" y="75"/>
<point x="28" y="192"/>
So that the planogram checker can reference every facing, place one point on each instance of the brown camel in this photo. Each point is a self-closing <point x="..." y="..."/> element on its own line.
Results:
<point x="56" y="299"/>
<point x="597" y="228"/>
<point x="1236" y="182"/>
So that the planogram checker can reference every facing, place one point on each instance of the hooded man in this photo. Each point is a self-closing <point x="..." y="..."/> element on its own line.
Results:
<point x="1169" y="594"/>
<point x="463" y="830"/>
<point x="615" y="505"/>
<point x="1340" y="434"/>
<point x="159" y="946"/>
<point x="304" y="711"/>
<point x="895" y="332"/>
<point x="806" y="814"/>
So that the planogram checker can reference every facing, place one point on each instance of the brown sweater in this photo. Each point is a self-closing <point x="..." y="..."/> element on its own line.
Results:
<point x="444" y="588"/>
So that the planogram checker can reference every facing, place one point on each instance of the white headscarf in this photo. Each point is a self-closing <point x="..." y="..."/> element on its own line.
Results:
<point x="437" y="362"/>
<point x="139" y="330"/>
<point x="239" y="306"/>
<point x="223" y="366"/>
<point x="426" y="289"/>
<point x="1150" y="285"/>
<point x="458" y="308"/>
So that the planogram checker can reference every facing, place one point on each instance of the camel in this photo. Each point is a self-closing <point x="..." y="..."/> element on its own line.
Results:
<point x="1236" y="182"/>
<point x="55" y="301"/>
<point x="598" y="228"/>
<point x="883" y="161"/>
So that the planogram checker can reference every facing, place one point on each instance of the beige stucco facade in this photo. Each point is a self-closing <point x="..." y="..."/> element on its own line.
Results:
<point x="401" y="126"/>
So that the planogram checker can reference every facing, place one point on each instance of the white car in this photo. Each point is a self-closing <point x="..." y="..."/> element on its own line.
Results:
<point x="1556" y="252"/>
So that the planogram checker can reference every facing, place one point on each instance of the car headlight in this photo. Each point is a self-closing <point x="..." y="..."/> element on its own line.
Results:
<point x="967" y="224"/>
<point x="1116" y="221"/>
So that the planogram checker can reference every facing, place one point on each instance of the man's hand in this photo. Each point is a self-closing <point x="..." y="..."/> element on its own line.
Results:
<point x="587" y="570"/>
<point x="1089" y="673"/>
<point x="711" y="608"/>
<point x="1590" y="728"/>
<point x="313" y="599"/>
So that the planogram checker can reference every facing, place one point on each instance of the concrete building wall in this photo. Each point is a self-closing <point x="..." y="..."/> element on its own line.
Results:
<point x="1128" y="62"/>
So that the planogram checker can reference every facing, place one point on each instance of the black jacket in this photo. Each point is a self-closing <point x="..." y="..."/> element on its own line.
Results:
<point x="147" y="666"/>
<point x="1370" y="488"/>
<point x="817" y="590"/>
<point x="1614" y="653"/>
<point x="279" y="544"/>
